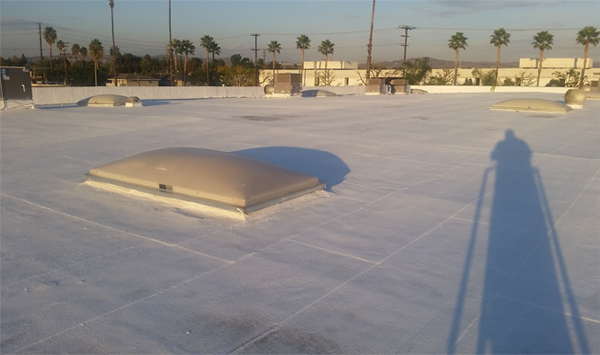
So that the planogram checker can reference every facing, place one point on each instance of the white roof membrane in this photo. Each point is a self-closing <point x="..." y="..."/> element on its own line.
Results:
<point x="221" y="179"/>
<point x="442" y="234"/>
<point x="592" y="95"/>
<point x="531" y="105"/>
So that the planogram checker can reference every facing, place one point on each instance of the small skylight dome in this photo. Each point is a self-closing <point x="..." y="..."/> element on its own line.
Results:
<point x="531" y="105"/>
<point x="317" y="93"/>
<point x="220" y="179"/>
<point x="110" y="100"/>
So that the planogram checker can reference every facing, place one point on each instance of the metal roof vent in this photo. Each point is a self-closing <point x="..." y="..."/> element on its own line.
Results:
<point x="531" y="105"/>
<point x="219" y="179"/>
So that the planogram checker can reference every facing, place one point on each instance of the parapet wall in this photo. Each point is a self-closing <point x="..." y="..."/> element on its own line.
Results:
<point x="340" y="90"/>
<point x="70" y="95"/>
<point x="464" y="89"/>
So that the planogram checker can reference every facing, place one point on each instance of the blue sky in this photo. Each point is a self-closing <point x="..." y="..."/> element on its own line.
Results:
<point x="141" y="27"/>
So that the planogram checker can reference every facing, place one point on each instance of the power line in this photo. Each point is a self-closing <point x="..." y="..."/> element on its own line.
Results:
<point x="491" y="29"/>
<point x="237" y="36"/>
<point x="329" y="33"/>
<point x="17" y="34"/>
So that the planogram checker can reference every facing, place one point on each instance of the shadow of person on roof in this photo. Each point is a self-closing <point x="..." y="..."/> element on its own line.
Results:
<point x="156" y="102"/>
<point x="328" y="167"/>
<point x="526" y="302"/>
<point x="317" y="93"/>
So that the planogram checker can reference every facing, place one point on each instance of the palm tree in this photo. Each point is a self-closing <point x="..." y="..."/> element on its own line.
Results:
<point x="111" y="3"/>
<point x="113" y="52"/>
<point x="588" y="35"/>
<point x="542" y="41"/>
<point x="370" y="45"/>
<point x="273" y="47"/>
<point x="456" y="42"/>
<point x="75" y="50"/>
<point x="187" y="47"/>
<point x="206" y="43"/>
<point x="176" y="50"/>
<point x="50" y="37"/>
<point x="303" y="43"/>
<point x="326" y="48"/>
<point x="96" y="52"/>
<point x="499" y="38"/>
<point x="214" y="49"/>
<point x="84" y="52"/>
<point x="62" y="48"/>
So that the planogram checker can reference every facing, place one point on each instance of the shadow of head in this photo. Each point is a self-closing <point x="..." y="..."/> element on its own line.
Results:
<point x="317" y="93"/>
<point x="328" y="167"/>
<point x="156" y="102"/>
<point x="512" y="152"/>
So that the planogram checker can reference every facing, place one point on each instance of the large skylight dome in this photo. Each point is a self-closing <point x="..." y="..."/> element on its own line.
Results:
<point x="220" y="179"/>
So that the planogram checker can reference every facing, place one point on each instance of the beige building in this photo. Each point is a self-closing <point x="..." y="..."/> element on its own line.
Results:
<point x="331" y="64"/>
<point x="556" y="63"/>
<point x="130" y="79"/>
<point x="342" y="73"/>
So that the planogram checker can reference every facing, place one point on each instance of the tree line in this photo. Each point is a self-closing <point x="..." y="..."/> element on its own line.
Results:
<point x="418" y="71"/>
<point x="542" y="41"/>
<point x="190" y="70"/>
<point x="240" y="71"/>
<point x="80" y="72"/>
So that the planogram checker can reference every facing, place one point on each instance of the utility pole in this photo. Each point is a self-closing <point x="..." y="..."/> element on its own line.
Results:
<point x="40" y="33"/>
<point x="171" y="64"/>
<point x="264" y="57"/>
<point x="112" y="24"/>
<point x="405" y="35"/>
<point x="255" y="49"/>
<point x="65" y="60"/>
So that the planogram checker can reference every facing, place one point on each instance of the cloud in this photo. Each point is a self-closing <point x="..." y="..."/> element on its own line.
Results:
<point x="451" y="8"/>
<point x="350" y="17"/>
<point x="16" y="24"/>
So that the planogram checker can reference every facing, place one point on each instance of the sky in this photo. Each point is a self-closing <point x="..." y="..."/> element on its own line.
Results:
<point x="141" y="27"/>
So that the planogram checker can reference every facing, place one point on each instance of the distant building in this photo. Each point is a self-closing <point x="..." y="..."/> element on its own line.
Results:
<point x="556" y="63"/>
<point x="343" y="73"/>
<point x="331" y="64"/>
<point x="131" y="79"/>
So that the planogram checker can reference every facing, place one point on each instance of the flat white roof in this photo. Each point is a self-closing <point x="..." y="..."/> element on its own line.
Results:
<point x="446" y="227"/>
